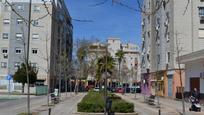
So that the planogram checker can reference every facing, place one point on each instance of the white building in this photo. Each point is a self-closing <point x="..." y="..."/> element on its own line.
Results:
<point x="130" y="61"/>
<point x="166" y="23"/>
<point x="194" y="71"/>
<point x="131" y="58"/>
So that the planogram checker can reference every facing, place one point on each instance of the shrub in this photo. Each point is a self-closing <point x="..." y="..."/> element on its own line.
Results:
<point x="122" y="106"/>
<point x="94" y="102"/>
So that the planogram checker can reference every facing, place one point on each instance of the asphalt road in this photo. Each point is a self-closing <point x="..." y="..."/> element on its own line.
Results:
<point x="14" y="106"/>
<point x="67" y="106"/>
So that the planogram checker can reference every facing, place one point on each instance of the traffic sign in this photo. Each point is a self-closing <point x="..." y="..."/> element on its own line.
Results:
<point x="8" y="77"/>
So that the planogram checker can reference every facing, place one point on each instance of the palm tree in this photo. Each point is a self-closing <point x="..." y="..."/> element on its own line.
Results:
<point x="120" y="55"/>
<point x="101" y="67"/>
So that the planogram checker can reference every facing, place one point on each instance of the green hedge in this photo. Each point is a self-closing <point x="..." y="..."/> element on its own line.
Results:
<point x="94" y="102"/>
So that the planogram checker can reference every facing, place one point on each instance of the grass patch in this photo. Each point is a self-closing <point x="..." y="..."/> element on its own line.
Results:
<point x="94" y="102"/>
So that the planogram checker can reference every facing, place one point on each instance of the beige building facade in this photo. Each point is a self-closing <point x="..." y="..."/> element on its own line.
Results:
<point x="50" y="38"/>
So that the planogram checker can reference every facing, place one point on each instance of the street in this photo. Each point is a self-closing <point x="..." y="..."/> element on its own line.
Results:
<point x="14" y="106"/>
<point x="38" y="104"/>
<point x="68" y="105"/>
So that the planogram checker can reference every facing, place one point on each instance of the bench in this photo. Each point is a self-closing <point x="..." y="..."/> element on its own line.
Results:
<point x="150" y="99"/>
<point x="54" y="99"/>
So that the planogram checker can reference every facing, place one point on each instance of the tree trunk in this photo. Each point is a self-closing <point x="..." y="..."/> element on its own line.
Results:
<point x="76" y="86"/>
<point x="119" y="74"/>
<point x="66" y="86"/>
<point x="23" y="87"/>
<point x="70" y="85"/>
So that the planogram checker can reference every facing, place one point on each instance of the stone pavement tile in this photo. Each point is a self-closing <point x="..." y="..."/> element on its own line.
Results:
<point x="66" y="106"/>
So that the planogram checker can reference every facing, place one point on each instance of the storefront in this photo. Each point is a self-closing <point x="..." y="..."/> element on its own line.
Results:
<point x="194" y="67"/>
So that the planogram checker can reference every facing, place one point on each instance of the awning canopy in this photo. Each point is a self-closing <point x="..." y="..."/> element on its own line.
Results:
<point x="198" y="55"/>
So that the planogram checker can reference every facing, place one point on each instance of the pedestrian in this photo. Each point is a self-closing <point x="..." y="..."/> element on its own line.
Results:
<point x="195" y="93"/>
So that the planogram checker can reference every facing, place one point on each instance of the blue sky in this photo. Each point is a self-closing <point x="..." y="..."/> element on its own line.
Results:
<point x="108" y="20"/>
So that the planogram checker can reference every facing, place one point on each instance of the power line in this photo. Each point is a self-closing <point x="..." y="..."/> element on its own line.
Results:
<point x="79" y="20"/>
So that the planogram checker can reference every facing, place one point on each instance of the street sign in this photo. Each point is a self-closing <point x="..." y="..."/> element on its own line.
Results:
<point x="8" y="77"/>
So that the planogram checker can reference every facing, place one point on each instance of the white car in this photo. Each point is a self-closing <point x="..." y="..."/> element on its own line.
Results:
<point x="96" y="89"/>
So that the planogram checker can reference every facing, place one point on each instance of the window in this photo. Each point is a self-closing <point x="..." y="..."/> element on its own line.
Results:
<point x="34" y="50"/>
<point x="19" y="21"/>
<point x="17" y="65"/>
<point x="36" y="8"/>
<point x="201" y="33"/>
<point x="202" y="20"/>
<point x="4" y="50"/>
<point x="20" y="8"/>
<point x="19" y="36"/>
<point x="148" y="34"/>
<point x="34" y="65"/>
<point x="5" y="35"/>
<point x="3" y="65"/>
<point x="158" y="59"/>
<point x="168" y="57"/>
<point x="148" y="19"/>
<point x="18" y="50"/>
<point x="167" y="37"/>
<point x="6" y="21"/>
<point x="201" y="11"/>
<point x="35" y="36"/>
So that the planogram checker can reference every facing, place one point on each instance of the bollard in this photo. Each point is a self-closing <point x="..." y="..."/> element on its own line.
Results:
<point x="159" y="112"/>
<point x="49" y="111"/>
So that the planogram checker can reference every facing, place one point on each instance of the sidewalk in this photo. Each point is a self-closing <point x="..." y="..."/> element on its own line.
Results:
<point x="168" y="106"/>
<point x="67" y="106"/>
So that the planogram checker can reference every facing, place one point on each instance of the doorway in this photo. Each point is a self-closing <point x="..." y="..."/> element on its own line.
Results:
<point x="195" y="83"/>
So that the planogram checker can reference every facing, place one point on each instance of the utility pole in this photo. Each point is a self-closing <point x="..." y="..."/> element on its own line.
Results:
<point x="27" y="59"/>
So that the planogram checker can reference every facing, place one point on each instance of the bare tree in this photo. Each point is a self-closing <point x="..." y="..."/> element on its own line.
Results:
<point x="178" y="53"/>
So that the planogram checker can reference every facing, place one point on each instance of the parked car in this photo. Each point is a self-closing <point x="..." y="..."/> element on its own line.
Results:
<point x="89" y="87"/>
<point x="120" y="90"/>
<point x="96" y="89"/>
<point x="113" y="89"/>
<point x="137" y="88"/>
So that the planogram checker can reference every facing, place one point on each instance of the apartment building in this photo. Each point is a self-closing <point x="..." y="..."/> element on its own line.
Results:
<point x="130" y="62"/>
<point x="169" y="27"/>
<point x="50" y="37"/>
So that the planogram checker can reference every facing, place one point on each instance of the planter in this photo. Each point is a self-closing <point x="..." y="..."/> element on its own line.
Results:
<point x="83" y="113"/>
